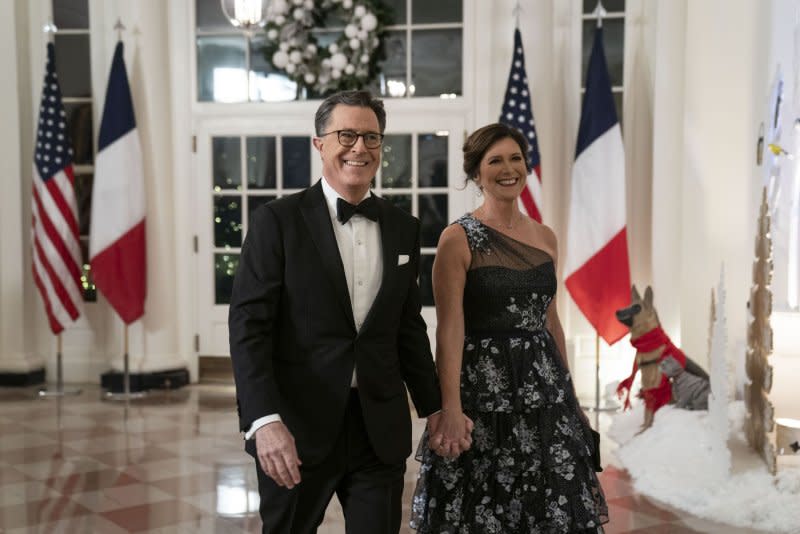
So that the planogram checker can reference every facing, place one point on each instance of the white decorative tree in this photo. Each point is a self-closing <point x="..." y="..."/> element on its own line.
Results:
<point x="720" y="397"/>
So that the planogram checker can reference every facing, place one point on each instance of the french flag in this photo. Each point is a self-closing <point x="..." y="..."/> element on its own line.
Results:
<point x="117" y="237"/>
<point x="597" y="272"/>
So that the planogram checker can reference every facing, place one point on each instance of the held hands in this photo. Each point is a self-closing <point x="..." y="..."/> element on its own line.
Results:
<point x="277" y="454"/>
<point x="450" y="433"/>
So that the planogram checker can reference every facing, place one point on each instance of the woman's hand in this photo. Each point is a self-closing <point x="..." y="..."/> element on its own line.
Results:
<point x="451" y="433"/>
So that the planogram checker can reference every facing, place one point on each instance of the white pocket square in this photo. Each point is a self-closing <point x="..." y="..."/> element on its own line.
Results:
<point x="402" y="259"/>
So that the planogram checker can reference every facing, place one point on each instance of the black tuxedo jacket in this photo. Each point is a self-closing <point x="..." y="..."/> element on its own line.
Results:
<point x="293" y="337"/>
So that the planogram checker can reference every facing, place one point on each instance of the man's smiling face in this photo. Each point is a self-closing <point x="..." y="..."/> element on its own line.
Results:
<point x="349" y="170"/>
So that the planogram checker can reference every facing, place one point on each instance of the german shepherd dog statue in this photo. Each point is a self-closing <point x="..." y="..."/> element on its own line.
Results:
<point x="684" y="381"/>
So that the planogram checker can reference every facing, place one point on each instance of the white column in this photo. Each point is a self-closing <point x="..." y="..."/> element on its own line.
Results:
<point x="637" y="131"/>
<point x="180" y="77"/>
<point x="153" y="340"/>
<point x="667" y="209"/>
<point x="15" y="294"/>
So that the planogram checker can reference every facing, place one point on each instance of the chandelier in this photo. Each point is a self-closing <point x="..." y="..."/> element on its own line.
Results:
<point x="249" y="15"/>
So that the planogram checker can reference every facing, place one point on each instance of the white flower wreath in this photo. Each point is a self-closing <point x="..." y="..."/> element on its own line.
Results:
<point x="350" y="62"/>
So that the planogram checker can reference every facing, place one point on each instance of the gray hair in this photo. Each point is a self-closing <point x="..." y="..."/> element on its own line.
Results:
<point x="363" y="99"/>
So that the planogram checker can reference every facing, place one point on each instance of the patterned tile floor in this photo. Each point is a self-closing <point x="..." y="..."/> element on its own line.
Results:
<point x="173" y="463"/>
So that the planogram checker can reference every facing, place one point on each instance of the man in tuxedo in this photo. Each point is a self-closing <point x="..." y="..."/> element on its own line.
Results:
<point x="326" y="333"/>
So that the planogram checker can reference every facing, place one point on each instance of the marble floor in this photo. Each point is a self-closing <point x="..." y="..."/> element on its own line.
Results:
<point x="173" y="463"/>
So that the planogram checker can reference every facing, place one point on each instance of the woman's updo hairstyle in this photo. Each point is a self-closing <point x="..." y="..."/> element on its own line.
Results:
<point x="482" y="139"/>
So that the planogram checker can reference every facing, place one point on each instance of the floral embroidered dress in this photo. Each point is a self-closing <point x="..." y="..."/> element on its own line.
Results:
<point x="529" y="469"/>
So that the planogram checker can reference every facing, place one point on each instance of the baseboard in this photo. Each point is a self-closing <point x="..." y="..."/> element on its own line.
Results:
<point x="34" y="377"/>
<point x="214" y="370"/>
<point x="170" y="379"/>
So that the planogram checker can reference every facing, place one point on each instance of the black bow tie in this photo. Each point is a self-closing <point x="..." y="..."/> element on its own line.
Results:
<point x="367" y="207"/>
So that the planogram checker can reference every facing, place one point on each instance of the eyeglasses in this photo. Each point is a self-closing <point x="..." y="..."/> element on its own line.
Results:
<point x="349" y="138"/>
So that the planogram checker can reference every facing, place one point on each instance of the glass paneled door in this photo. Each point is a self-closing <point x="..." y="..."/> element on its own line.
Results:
<point x="241" y="168"/>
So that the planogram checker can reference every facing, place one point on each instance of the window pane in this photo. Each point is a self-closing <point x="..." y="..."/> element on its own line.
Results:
<point x="401" y="201"/>
<point x="73" y="65"/>
<point x="333" y="20"/>
<point x="80" y="127"/>
<point x="224" y="268"/>
<point x="391" y="80"/>
<point x="227" y="221"/>
<point x="221" y="69"/>
<point x="433" y="74"/>
<point x="261" y="162"/>
<point x="613" y="43"/>
<point x="426" y="279"/>
<point x="296" y="162"/>
<point x="210" y="17"/>
<point x="396" y="165"/>
<point x="87" y="282"/>
<point x="618" y="104"/>
<point x="83" y="194"/>
<point x="266" y="83"/>
<point x="226" y="162"/>
<point x="425" y="11"/>
<point x="256" y="201"/>
<point x="610" y="5"/>
<point x="433" y="216"/>
<point x="432" y="170"/>
<point x="71" y="14"/>
<point x="396" y="10"/>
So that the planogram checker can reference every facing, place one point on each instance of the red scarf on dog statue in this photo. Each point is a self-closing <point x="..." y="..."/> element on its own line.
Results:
<point x="660" y="395"/>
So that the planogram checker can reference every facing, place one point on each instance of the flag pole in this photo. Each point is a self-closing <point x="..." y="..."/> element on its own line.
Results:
<point x="597" y="408"/>
<point x="120" y="27"/>
<point x="599" y="12"/>
<point x="516" y="12"/>
<point x="126" y="393"/>
<point x="50" y="29"/>
<point x="59" y="390"/>
<point x="596" y="371"/>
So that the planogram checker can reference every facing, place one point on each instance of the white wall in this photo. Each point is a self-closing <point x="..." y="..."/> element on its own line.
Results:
<point x="783" y="47"/>
<point x="724" y="87"/>
<point x="783" y="42"/>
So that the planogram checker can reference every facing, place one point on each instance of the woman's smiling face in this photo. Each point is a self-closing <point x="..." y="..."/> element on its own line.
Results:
<point x="502" y="173"/>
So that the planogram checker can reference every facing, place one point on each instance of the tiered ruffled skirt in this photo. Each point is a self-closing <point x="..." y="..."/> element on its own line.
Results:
<point x="529" y="469"/>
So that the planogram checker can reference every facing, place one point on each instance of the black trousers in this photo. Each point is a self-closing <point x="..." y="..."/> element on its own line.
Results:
<point x="369" y="491"/>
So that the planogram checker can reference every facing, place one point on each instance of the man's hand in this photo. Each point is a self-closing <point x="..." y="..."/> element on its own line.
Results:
<point x="277" y="454"/>
<point x="450" y="433"/>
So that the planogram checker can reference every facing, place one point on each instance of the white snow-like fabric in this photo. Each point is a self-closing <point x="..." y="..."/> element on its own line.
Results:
<point x="670" y="460"/>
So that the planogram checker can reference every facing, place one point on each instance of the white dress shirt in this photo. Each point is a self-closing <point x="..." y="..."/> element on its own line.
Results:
<point x="359" y="242"/>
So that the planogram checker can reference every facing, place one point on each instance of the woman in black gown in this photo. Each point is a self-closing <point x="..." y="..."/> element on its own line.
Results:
<point x="502" y="362"/>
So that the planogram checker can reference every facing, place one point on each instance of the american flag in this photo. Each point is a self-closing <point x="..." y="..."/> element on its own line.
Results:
<point x="517" y="112"/>
<point x="56" y="246"/>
